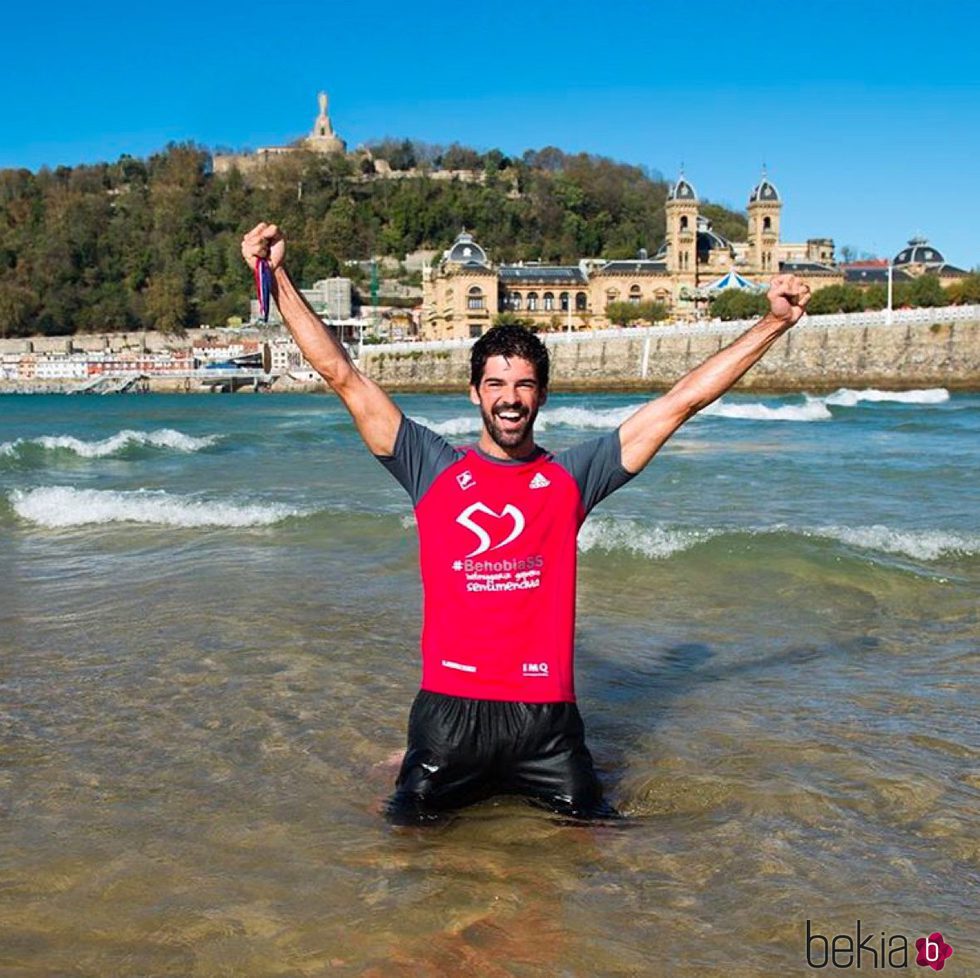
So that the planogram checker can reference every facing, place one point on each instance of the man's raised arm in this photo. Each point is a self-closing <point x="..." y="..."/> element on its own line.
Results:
<point x="375" y="414"/>
<point x="643" y="434"/>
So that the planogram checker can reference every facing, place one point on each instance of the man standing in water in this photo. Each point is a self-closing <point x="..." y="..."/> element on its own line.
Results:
<point x="497" y="528"/>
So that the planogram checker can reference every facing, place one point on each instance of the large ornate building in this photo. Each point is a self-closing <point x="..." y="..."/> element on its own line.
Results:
<point x="918" y="258"/>
<point x="465" y="290"/>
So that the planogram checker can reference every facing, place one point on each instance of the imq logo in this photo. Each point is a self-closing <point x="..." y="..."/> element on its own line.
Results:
<point x="872" y="950"/>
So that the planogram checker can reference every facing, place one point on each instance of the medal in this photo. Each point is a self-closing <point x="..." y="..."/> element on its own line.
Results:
<point x="263" y="286"/>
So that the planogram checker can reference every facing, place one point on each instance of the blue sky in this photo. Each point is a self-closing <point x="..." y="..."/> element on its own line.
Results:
<point x="867" y="115"/>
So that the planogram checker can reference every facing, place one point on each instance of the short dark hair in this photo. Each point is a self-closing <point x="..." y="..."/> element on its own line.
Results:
<point x="509" y="340"/>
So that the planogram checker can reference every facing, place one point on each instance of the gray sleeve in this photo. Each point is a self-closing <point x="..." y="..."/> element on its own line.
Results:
<point x="419" y="456"/>
<point x="597" y="467"/>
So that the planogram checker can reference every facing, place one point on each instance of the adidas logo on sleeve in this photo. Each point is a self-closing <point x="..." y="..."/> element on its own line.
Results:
<point x="539" y="482"/>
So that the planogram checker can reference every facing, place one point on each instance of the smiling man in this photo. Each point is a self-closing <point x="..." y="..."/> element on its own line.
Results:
<point x="497" y="525"/>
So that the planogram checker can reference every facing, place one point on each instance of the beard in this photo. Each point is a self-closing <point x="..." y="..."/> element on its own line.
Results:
<point x="512" y="437"/>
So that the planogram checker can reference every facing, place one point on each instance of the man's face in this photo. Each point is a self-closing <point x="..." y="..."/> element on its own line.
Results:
<point x="508" y="397"/>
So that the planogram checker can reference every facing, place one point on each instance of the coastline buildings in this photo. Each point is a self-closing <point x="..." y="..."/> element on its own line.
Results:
<point x="465" y="290"/>
<point x="330" y="298"/>
<point x="918" y="258"/>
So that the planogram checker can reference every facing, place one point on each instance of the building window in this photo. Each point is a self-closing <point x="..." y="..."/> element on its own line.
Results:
<point x="581" y="302"/>
<point x="635" y="294"/>
<point x="474" y="298"/>
<point x="767" y="224"/>
<point x="532" y="301"/>
<point x="514" y="301"/>
<point x="611" y="295"/>
<point x="683" y="222"/>
<point x="476" y="330"/>
<point x="563" y="302"/>
<point x="549" y="301"/>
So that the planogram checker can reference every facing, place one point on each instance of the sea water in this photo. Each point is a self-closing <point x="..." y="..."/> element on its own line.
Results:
<point x="209" y="615"/>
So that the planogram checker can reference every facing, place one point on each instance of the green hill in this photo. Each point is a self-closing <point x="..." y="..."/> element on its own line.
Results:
<point x="154" y="243"/>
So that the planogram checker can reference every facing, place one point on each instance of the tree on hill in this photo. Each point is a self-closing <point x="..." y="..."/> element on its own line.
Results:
<point x="634" y="313"/>
<point x="926" y="291"/>
<point x="399" y="153"/>
<point x="18" y="308"/>
<point x="966" y="291"/>
<point x="836" y="298"/>
<point x="739" y="304"/>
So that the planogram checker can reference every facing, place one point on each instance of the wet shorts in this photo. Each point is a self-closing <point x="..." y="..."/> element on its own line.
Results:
<point x="461" y="751"/>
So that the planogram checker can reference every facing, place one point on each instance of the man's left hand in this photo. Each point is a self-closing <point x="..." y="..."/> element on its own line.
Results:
<point x="788" y="297"/>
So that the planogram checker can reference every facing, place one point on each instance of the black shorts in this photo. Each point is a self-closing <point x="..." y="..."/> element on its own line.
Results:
<point x="462" y="750"/>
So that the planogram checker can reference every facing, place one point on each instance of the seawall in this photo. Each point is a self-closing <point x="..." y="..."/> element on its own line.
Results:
<point x="920" y="348"/>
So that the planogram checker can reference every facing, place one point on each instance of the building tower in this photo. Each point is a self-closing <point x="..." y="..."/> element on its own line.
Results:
<point x="323" y="139"/>
<point x="682" y="230"/>
<point x="764" y="210"/>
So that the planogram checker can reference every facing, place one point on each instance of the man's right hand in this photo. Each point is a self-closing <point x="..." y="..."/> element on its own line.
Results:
<point x="264" y="241"/>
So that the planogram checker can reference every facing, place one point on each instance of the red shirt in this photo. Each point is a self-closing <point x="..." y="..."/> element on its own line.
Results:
<point x="497" y="550"/>
<point x="497" y="554"/>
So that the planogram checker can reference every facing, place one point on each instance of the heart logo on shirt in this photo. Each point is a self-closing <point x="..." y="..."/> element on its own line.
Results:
<point x="496" y="529"/>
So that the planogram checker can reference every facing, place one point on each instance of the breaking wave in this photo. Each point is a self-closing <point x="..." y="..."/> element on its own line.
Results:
<point x="113" y="445"/>
<point x="656" y="542"/>
<point x="63" y="506"/>
<point x="465" y="425"/>
<point x="920" y="544"/>
<point x="571" y="417"/>
<point x="846" y="397"/>
<point x="576" y="417"/>
<point x="813" y="408"/>
<point x="611" y="535"/>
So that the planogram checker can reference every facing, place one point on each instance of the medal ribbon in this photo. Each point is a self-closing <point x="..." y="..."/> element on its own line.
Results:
<point x="263" y="286"/>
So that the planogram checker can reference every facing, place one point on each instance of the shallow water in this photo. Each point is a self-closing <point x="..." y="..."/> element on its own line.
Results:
<point x="208" y="634"/>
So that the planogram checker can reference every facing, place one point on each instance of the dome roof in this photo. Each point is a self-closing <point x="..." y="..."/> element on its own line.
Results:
<point x="466" y="251"/>
<point x="764" y="190"/>
<point x="919" y="252"/>
<point x="682" y="190"/>
<point x="708" y="240"/>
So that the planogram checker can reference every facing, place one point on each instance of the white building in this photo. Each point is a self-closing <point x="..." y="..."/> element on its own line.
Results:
<point x="73" y="367"/>
<point x="330" y="298"/>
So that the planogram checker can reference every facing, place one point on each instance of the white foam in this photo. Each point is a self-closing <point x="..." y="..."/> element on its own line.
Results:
<point x="658" y="542"/>
<point x="655" y="542"/>
<point x="812" y="409"/>
<point x="845" y="397"/>
<point x="919" y="544"/>
<point x="163" y="438"/>
<point x="576" y="417"/>
<point x="465" y="425"/>
<point x="59" y="506"/>
<point x="572" y="417"/>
